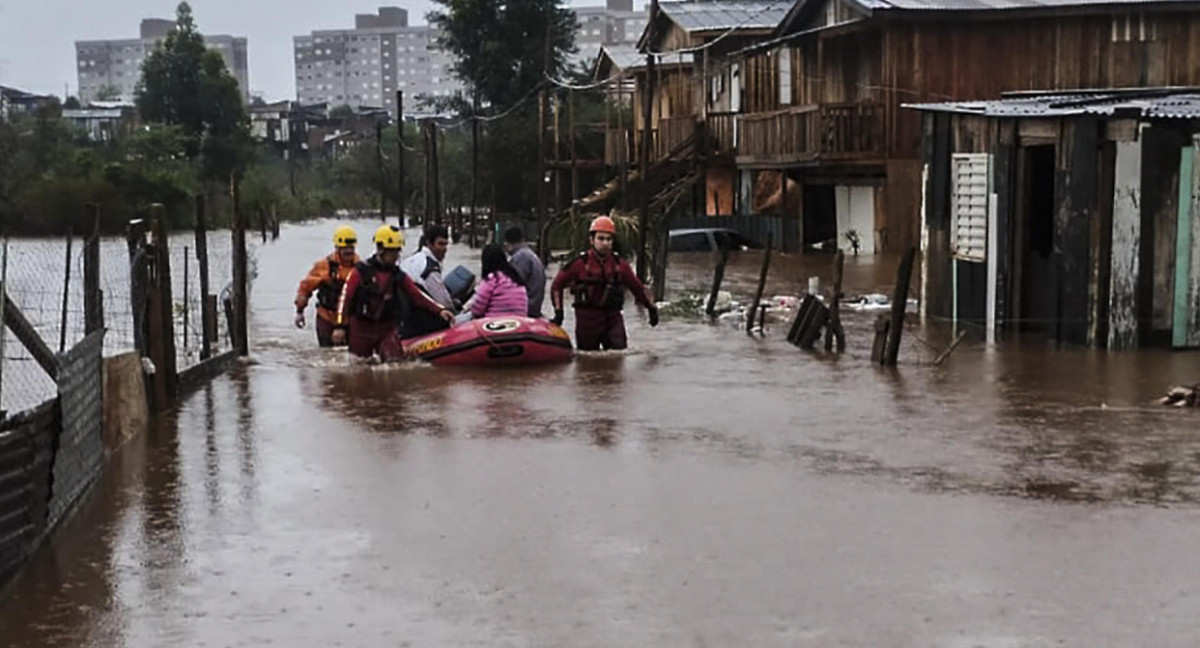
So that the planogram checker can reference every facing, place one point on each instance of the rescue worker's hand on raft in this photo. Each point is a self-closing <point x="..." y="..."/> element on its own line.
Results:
<point x="339" y="336"/>
<point x="557" y="320"/>
<point x="653" y="316"/>
<point x="299" y="319"/>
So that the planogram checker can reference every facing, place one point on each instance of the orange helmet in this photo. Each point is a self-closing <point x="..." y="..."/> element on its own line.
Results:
<point x="603" y="224"/>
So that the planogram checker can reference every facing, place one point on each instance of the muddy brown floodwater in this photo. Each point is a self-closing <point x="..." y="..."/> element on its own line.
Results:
<point x="702" y="489"/>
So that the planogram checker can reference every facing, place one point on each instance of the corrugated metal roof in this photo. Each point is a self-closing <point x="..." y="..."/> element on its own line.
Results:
<point x="993" y="5"/>
<point x="623" y="56"/>
<point x="1146" y="103"/>
<point x="711" y="16"/>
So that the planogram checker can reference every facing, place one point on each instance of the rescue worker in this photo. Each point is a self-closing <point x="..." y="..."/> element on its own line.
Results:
<point x="326" y="279"/>
<point x="378" y="296"/>
<point x="598" y="279"/>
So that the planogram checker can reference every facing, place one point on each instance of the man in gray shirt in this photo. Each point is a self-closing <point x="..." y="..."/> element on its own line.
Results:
<point x="529" y="266"/>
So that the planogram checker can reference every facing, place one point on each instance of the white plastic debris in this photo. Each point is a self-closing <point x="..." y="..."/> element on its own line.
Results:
<point x="148" y="367"/>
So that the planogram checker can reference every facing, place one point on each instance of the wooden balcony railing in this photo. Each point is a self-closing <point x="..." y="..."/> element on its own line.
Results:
<point x="787" y="135"/>
<point x="673" y="131"/>
<point x="617" y="146"/>
<point x="850" y="131"/>
<point x="721" y="129"/>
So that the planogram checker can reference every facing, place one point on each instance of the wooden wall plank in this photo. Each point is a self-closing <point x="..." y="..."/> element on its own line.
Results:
<point x="1072" y="229"/>
<point x="1126" y="241"/>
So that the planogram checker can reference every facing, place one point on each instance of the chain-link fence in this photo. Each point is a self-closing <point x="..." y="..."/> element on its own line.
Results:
<point x="40" y="271"/>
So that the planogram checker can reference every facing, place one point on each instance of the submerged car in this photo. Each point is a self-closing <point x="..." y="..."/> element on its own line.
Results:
<point x="710" y="239"/>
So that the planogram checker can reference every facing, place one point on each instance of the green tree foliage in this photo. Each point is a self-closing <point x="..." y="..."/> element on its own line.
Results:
<point x="501" y="52"/>
<point x="500" y="45"/>
<point x="108" y="92"/>
<point x="184" y="84"/>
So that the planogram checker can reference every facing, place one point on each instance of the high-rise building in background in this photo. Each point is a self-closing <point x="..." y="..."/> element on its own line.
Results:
<point x="110" y="69"/>
<point x="611" y="24"/>
<point x="365" y="66"/>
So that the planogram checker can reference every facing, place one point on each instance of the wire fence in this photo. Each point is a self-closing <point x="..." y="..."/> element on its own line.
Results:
<point x="39" y="272"/>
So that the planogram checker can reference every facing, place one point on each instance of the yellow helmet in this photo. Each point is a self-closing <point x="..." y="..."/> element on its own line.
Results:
<point x="389" y="237"/>
<point x="345" y="236"/>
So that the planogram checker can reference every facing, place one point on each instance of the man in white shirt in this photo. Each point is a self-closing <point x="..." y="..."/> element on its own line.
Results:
<point x="425" y="267"/>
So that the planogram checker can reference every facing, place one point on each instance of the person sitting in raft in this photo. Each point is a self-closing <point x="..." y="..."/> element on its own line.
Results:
<point x="501" y="292"/>
<point x="377" y="297"/>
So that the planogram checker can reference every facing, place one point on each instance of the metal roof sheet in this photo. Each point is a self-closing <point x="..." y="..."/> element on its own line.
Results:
<point x="711" y="16"/>
<point x="1148" y="103"/>
<point x="994" y="5"/>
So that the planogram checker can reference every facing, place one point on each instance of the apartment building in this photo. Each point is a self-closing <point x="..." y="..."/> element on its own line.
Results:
<point x="110" y="69"/>
<point x="365" y="66"/>
<point x="613" y="23"/>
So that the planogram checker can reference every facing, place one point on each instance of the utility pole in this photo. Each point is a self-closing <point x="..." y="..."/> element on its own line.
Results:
<point x="382" y="173"/>
<point x="400" y="150"/>
<point x="433" y="161"/>
<point x="556" y="102"/>
<point x="474" y="164"/>
<point x="543" y="215"/>
<point x="574" y="169"/>
<point x="428" y="174"/>
<point x="644" y="162"/>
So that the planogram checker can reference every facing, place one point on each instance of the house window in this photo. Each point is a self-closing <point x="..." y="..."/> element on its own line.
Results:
<point x="1133" y="28"/>
<point x="969" y="205"/>
<point x="785" y="76"/>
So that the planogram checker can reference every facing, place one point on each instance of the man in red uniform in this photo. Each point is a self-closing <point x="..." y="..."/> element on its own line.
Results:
<point x="598" y="279"/>
<point x="377" y="298"/>
<point x="326" y="279"/>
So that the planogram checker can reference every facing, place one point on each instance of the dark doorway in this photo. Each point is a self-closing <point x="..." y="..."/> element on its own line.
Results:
<point x="1037" y="262"/>
<point x="820" y="215"/>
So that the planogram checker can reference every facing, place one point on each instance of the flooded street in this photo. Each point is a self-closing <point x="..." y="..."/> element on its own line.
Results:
<point x="703" y="489"/>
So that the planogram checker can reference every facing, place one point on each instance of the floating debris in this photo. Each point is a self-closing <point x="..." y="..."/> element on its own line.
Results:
<point x="1182" y="396"/>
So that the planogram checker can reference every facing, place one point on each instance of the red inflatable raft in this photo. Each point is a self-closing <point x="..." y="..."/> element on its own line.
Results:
<point x="506" y="340"/>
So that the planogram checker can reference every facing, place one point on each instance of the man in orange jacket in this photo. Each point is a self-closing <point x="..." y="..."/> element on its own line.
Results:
<point x="326" y="279"/>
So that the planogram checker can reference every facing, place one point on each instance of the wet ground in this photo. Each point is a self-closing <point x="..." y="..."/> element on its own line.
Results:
<point x="703" y="489"/>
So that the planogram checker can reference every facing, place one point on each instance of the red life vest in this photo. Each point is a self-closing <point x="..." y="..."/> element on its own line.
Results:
<point x="598" y="284"/>
<point x="376" y="302"/>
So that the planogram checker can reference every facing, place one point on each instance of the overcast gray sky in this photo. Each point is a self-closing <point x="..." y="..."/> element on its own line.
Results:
<point x="37" y="37"/>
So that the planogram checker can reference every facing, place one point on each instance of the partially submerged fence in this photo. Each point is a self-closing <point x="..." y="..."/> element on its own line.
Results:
<point x="82" y="320"/>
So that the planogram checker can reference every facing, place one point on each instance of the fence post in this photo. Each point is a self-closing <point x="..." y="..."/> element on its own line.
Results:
<point x="162" y="315"/>
<point x="207" y="312"/>
<point x="240" y="320"/>
<point x="135" y="234"/>
<point x="93" y="297"/>
<point x="762" y="284"/>
<point x="66" y="295"/>
<point x="899" y="306"/>
<point x="187" y="304"/>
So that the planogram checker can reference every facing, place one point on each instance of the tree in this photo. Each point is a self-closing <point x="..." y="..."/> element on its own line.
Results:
<point x="501" y="52"/>
<point x="186" y="85"/>
<point x="72" y="103"/>
<point x="500" y="45"/>
<point x="107" y="92"/>
<point x="341" y="112"/>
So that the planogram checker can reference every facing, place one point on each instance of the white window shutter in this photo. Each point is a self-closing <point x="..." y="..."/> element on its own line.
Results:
<point x="969" y="205"/>
<point x="785" y="76"/>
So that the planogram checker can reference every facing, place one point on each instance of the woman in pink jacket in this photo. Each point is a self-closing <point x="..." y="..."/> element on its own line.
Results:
<point x="501" y="292"/>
